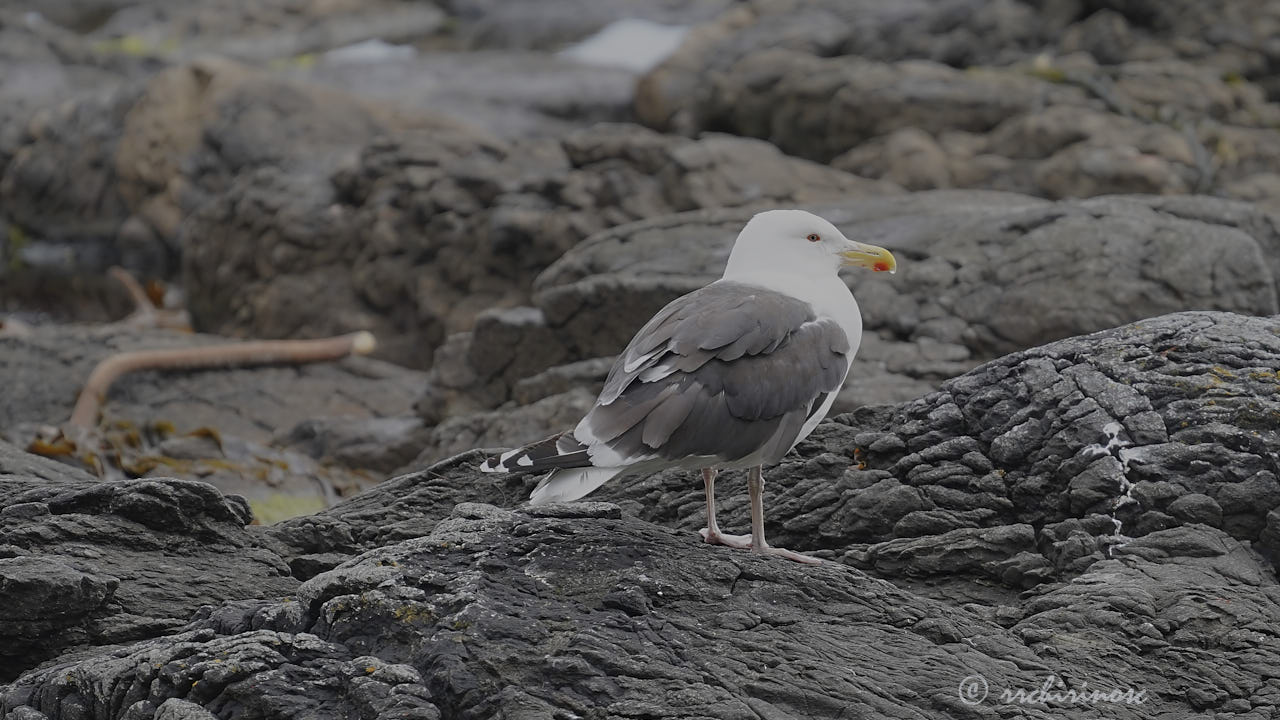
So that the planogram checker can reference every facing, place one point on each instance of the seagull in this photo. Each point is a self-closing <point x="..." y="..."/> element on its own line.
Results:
<point x="730" y="376"/>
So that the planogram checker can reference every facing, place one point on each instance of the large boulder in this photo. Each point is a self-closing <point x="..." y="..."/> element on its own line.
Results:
<point x="1046" y="460"/>
<point x="87" y="563"/>
<point x="471" y="620"/>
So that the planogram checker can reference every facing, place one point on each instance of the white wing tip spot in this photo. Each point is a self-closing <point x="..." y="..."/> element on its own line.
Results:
<point x="525" y="461"/>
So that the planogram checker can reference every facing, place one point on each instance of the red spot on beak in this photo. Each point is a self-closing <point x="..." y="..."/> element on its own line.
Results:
<point x="881" y="267"/>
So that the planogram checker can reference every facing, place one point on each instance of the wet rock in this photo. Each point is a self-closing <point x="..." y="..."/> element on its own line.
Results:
<point x="533" y="575"/>
<point x="1159" y="595"/>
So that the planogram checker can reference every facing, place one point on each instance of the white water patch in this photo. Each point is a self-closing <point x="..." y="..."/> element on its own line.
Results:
<point x="368" y="51"/>
<point x="1121" y="450"/>
<point x="631" y="44"/>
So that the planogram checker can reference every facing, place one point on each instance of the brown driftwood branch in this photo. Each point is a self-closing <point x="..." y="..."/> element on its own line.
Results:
<point x="146" y="313"/>
<point x="258" y="352"/>
<point x="141" y="301"/>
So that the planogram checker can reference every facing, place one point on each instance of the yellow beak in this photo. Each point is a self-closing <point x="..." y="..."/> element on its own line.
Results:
<point x="870" y="256"/>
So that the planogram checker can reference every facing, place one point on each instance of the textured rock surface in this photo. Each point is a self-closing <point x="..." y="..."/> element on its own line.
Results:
<point x="1047" y="517"/>
<point x="1095" y="513"/>
<point x="992" y="272"/>
<point x="1069" y="438"/>
<point x="474" y="618"/>
<point x="86" y="563"/>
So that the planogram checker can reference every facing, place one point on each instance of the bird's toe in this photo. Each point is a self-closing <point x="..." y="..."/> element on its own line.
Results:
<point x="742" y="542"/>
<point x="788" y="554"/>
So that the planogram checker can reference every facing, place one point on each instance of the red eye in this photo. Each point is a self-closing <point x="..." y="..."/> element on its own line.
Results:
<point x="812" y="237"/>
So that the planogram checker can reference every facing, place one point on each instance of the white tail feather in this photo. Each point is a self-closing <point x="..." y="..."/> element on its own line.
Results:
<point x="570" y="484"/>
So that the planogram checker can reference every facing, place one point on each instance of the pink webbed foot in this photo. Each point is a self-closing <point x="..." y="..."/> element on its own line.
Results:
<point x="741" y="542"/>
<point x="788" y="554"/>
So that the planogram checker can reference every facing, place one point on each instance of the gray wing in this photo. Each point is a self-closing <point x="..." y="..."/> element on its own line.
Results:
<point x="723" y="371"/>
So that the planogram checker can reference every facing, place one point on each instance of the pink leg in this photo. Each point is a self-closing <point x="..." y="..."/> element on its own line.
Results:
<point x="755" y="486"/>
<point x="711" y="533"/>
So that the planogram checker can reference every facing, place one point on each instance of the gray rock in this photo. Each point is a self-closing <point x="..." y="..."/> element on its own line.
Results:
<point x="1232" y="37"/>
<point x="60" y="190"/>
<point x="107" y="177"/>
<point x="380" y="443"/>
<point x="1160" y="595"/>
<point x="861" y="99"/>
<point x="291" y="255"/>
<point x="998" y="570"/>
<point x="1196" y="508"/>
<point x="586" y="374"/>
<point x="114" y="562"/>
<point x="196" y="675"/>
<point x="497" y="583"/>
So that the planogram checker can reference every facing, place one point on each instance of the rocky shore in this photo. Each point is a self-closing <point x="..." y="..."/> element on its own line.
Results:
<point x="1055" y="465"/>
